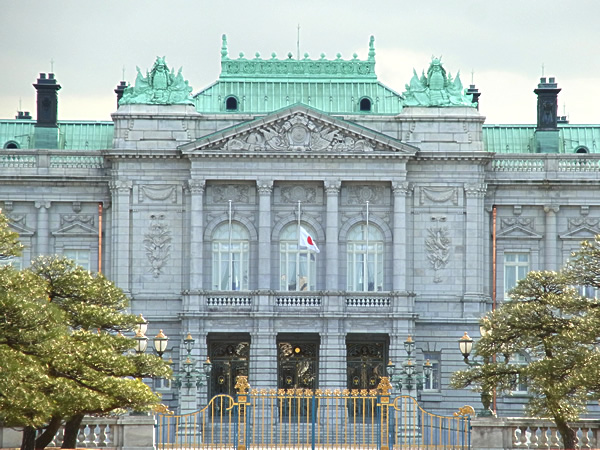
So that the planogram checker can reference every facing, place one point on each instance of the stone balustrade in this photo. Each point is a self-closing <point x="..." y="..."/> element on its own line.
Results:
<point x="513" y="433"/>
<point x="110" y="433"/>
<point x="544" y="166"/>
<point x="43" y="160"/>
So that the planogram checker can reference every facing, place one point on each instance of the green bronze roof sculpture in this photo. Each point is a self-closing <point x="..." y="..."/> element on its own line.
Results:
<point x="159" y="87"/>
<point x="438" y="88"/>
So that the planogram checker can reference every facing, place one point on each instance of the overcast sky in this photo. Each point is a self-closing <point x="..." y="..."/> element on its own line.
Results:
<point x="505" y="43"/>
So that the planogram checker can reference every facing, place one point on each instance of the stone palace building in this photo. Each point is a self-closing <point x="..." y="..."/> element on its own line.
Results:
<point x="192" y="203"/>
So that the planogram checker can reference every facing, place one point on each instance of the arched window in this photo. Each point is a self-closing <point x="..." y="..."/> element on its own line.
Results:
<point x="582" y="149"/>
<point x="365" y="104"/>
<point x="230" y="253"/>
<point x="11" y="144"/>
<point x="365" y="258"/>
<point x="298" y="269"/>
<point x="231" y="104"/>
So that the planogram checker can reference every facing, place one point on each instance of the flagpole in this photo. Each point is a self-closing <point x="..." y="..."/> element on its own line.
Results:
<point x="367" y="253"/>
<point x="230" y="251"/>
<point x="298" y="252"/>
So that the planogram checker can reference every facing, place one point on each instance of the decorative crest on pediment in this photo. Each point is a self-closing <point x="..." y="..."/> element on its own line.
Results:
<point x="581" y="228"/>
<point x="518" y="228"/>
<point x="298" y="133"/>
<point x="298" y="129"/>
<point x="17" y="223"/>
<point x="76" y="225"/>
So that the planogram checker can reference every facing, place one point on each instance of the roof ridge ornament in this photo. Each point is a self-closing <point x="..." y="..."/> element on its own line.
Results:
<point x="160" y="86"/>
<point x="437" y="88"/>
<point x="338" y="68"/>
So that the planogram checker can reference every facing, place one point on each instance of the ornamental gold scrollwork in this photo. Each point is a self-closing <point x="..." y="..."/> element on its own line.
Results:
<point x="242" y="385"/>
<point x="466" y="410"/>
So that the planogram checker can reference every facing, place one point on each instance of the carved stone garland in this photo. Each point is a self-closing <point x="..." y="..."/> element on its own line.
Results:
<point x="438" y="247"/>
<point x="158" y="244"/>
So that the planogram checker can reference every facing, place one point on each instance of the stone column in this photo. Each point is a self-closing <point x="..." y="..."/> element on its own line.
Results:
<point x="263" y="355"/>
<point x="332" y="355"/>
<point x="400" y="189"/>
<point x="265" y="189"/>
<point x="550" y="238"/>
<point x="121" y="229"/>
<point x="332" y="263"/>
<point x="43" y="228"/>
<point x="196" y="237"/>
<point x="474" y="239"/>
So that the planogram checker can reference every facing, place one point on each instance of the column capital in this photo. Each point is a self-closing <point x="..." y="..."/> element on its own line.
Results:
<point x="196" y="186"/>
<point x="332" y="187"/>
<point x="551" y="209"/>
<point x="475" y="189"/>
<point x="121" y="186"/>
<point x="40" y="205"/>
<point x="265" y="187"/>
<point x="401" y="188"/>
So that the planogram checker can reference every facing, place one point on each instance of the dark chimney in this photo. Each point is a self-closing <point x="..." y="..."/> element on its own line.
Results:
<point x="120" y="90"/>
<point x="476" y="94"/>
<point x="47" y="100"/>
<point x="23" y="115"/>
<point x="46" y="127"/>
<point x="546" y="132"/>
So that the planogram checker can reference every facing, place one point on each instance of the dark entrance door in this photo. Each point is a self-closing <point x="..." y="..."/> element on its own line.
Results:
<point x="366" y="357"/>
<point x="230" y="356"/>
<point x="297" y="367"/>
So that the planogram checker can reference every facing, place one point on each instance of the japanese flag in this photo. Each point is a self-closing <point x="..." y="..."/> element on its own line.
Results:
<point x="306" y="241"/>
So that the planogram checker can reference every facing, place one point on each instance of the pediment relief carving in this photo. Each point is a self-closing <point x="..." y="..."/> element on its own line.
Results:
<point x="299" y="130"/>
<point x="582" y="228"/>
<point x="517" y="228"/>
<point x="76" y="225"/>
<point x="17" y="223"/>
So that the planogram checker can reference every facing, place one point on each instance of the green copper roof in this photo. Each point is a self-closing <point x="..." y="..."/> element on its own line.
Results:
<point x="260" y="86"/>
<point x="73" y="135"/>
<point x="521" y="138"/>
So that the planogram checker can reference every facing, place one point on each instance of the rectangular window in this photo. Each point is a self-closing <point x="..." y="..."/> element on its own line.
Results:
<point x="81" y="257"/>
<point x="432" y="381"/>
<point x="516" y="266"/>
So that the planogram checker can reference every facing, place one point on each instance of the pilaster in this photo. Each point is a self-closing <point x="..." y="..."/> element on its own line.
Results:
<point x="332" y="355"/>
<point x="551" y="238"/>
<point x="121" y="227"/>
<point x="265" y="190"/>
<point x="263" y="355"/>
<point x="401" y="190"/>
<point x="43" y="228"/>
<point x="332" y="190"/>
<point x="196" y="238"/>
<point x="474" y="242"/>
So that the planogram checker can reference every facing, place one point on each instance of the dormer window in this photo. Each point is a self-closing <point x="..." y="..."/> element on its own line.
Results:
<point x="365" y="104"/>
<point x="11" y="144"/>
<point x="231" y="104"/>
<point x="582" y="149"/>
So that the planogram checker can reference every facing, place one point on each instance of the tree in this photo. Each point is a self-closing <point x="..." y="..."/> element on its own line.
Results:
<point x="557" y="330"/>
<point x="62" y="352"/>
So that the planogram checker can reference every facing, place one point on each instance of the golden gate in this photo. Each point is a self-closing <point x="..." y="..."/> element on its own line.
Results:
<point x="307" y="419"/>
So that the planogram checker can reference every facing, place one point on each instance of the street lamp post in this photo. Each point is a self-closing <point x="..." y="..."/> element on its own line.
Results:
<point x="408" y="378"/>
<point x="465" y="345"/>
<point x="190" y="378"/>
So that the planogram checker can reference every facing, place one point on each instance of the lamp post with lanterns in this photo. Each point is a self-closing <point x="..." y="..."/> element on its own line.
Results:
<point x="465" y="345"/>
<point x="408" y="378"/>
<point x="189" y="379"/>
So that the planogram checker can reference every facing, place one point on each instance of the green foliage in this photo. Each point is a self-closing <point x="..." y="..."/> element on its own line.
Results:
<point x="61" y="351"/>
<point x="557" y="330"/>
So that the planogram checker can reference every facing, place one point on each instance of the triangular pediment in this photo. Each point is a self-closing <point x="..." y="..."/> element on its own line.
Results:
<point x="75" y="229"/>
<point x="298" y="129"/>
<point x="517" y="232"/>
<point x="581" y="233"/>
<point x="16" y="225"/>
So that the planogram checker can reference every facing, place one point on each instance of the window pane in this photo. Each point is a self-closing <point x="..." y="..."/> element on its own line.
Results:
<point x="297" y="266"/>
<point x="365" y="258"/>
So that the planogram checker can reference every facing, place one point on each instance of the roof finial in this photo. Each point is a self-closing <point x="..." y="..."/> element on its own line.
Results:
<point x="224" y="47"/>
<point x="298" y="44"/>
<point x="372" y="48"/>
<point x="51" y="65"/>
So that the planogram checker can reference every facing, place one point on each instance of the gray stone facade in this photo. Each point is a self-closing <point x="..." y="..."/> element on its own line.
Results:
<point x="147" y="209"/>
